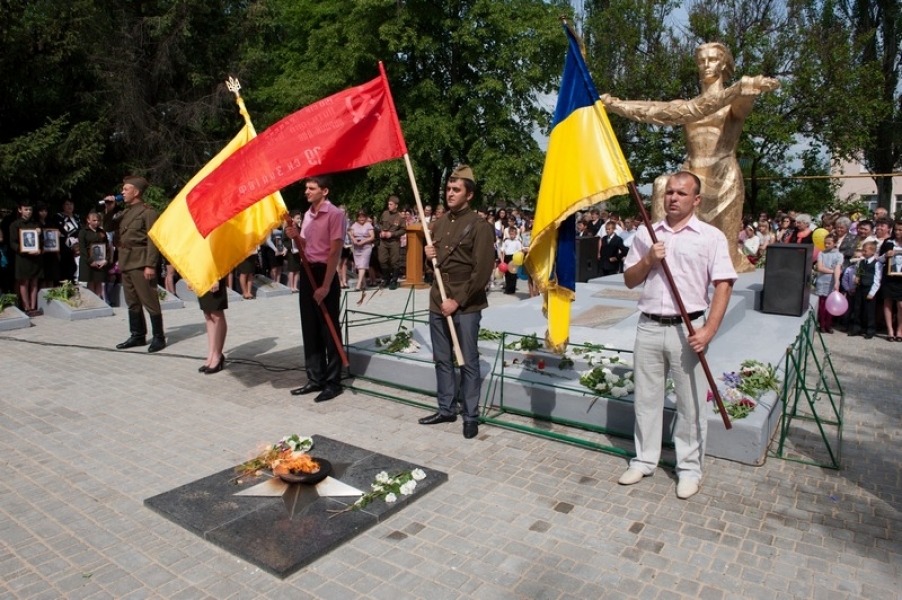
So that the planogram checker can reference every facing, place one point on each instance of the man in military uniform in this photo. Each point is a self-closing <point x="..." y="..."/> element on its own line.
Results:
<point x="463" y="247"/>
<point x="391" y="227"/>
<point x="138" y="260"/>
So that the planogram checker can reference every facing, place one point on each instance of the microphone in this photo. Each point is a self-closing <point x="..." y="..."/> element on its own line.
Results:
<point x="117" y="198"/>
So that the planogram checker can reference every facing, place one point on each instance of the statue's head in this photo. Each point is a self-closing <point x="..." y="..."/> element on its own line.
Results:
<point x="705" y="52"/>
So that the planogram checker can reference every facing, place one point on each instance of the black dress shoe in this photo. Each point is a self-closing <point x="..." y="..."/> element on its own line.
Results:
<point x="217" y="368"/>
<point x="132" y="342"/>
<point x="202" y="369"/>
<point x="471" y="429"/>
<point x="157" y="343"/>
<point x="437" y="418"/>
<point x="328" y="394"/>
<point x="307" y="389"/>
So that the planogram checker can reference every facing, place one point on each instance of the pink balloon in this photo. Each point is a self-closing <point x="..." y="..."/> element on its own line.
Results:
<point x="837" y="305"/>
<point x="502" y="267"/>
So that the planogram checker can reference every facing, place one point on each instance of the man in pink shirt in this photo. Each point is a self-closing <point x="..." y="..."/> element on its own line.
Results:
<point x="320" y="241"/>
<point x="698" y="256"/>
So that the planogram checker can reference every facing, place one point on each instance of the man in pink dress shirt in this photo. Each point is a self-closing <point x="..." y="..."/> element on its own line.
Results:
<point x="698" y="256"/>
<point x="320" y="241"/>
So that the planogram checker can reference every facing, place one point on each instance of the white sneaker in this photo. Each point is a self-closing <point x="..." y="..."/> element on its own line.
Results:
<point x="631" y="476"/>
<point x="686" y="488"/>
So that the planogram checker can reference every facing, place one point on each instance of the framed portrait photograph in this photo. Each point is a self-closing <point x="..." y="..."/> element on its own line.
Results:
<point x="277" y="242"/>
<point x="98" y="253"/>
<point x="51" y="240"/>
<point x="28" y="241"/>
<point x="895" y="265"/>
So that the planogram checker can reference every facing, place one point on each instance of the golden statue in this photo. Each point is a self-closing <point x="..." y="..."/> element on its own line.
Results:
<point x="713" y="123"/>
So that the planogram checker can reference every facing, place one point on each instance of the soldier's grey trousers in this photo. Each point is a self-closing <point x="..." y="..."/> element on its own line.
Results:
<point x="470" y="385"/>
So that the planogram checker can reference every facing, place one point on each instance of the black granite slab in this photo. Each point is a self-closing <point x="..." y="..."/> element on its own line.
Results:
<point x="283" y="535"/>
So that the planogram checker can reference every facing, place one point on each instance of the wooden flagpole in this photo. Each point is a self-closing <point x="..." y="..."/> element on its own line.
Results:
<point x="437" y="273"/>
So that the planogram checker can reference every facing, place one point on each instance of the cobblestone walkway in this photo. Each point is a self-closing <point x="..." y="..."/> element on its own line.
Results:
<point x="87" y="433"/>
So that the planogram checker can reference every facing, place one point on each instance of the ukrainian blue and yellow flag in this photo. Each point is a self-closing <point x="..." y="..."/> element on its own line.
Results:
<point x="583" y="166"/>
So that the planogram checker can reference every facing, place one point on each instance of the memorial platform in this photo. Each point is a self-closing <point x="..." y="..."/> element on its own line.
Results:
<point x="604" y="313"/>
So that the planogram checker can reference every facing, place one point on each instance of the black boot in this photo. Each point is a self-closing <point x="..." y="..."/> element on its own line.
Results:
<point x="159" y="340"/>
<point x="138" y="328"/>
<point x="393" y="281"/>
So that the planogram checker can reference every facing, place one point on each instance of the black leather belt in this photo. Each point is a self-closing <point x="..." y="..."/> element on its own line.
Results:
<point x="673" y="320"/>
<point x="455" y="277"/>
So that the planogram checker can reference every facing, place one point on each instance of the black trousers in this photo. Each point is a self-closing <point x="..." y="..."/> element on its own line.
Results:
<point x="863" y="312"/>
<point x="321" y="356"/>
<point x="510" y="279"/>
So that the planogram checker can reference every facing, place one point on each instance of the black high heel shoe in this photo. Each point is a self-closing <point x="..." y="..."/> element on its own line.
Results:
<point x="203" y="369"/>
<point x="217" y="368"/>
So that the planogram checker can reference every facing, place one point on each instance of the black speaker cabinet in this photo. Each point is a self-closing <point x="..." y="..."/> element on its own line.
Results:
<point x="787" y="288"/>
<point x="586" y="258"/>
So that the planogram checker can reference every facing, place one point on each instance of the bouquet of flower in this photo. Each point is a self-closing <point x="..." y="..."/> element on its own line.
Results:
<point x="402" y="342"/>
<point x="278" y="451"/>
<point x="736" y="405"/>
<point x="754" y="378"/>
<point x="527" y="343"/>
<point x="603" y="381"/>
<point x="388" y="488"/>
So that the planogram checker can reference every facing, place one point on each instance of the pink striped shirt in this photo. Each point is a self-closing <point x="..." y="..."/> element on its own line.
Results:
<point x="697" y="255"/>
<point x="320" y="228"/>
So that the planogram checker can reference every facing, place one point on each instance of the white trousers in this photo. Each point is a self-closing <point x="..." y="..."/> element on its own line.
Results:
<point x="661" y="350"/>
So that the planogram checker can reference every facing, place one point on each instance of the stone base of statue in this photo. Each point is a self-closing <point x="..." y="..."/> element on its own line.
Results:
<point x="538" y="387"/>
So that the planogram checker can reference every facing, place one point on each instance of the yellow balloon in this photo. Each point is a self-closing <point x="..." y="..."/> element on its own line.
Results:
<point x="517" y="258"/>
<point x="817" y="236"/>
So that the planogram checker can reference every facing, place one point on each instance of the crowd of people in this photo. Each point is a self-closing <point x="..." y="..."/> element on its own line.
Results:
<point x="857" y="257"/>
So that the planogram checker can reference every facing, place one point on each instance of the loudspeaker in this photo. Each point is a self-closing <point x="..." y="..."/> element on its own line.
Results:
<point x="586" y="258"/>
<point x="787" y="272"/>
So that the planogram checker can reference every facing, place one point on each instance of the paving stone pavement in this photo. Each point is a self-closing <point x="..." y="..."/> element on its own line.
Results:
<point x="89" y="432"/>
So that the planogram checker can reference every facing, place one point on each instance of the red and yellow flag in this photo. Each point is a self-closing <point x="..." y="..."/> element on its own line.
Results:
<point x="351" y="129"/>
<point x="202" y="261"/>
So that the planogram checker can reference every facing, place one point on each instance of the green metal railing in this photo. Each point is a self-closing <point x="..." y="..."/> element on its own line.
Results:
<point x="809" y="380"/>
<point x="811" y="391"/>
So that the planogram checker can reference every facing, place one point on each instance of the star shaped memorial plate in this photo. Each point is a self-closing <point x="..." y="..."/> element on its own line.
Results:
<point x="282" y="527"/>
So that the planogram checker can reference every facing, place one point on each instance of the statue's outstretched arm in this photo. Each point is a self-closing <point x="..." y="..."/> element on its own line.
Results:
<point x="680" y="112"/>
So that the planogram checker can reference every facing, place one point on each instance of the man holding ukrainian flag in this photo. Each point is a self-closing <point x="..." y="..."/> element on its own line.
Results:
<point x="584" y="166"/>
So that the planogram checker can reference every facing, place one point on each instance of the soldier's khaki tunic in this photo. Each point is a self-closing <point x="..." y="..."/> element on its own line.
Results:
<point x="466" y="269"/>
<point x="137" y="251"/>
<point x="390" y="248"/>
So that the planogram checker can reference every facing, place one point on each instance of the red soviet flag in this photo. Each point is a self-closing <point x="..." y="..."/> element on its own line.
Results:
<point x="354" y="128"/>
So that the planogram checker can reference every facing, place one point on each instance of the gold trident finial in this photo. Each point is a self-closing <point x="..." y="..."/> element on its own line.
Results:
<point x="234" y="86"/>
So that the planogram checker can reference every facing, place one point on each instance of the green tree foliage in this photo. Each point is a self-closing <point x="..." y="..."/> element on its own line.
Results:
<point x="634" y="54"/>
<point x="466" y="76"/>
<point x="96" y="89"/>
<point x="642" y="52"/>
<point x="49" y="142"/>
<point x="877" y="32"/>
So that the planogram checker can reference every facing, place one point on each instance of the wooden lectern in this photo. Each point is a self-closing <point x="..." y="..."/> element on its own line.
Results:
<point x="416" y="257"/>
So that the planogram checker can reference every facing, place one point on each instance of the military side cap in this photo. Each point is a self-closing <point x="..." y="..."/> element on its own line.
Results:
<point x="138" y="182"/>
<point x="463" y="172"/>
